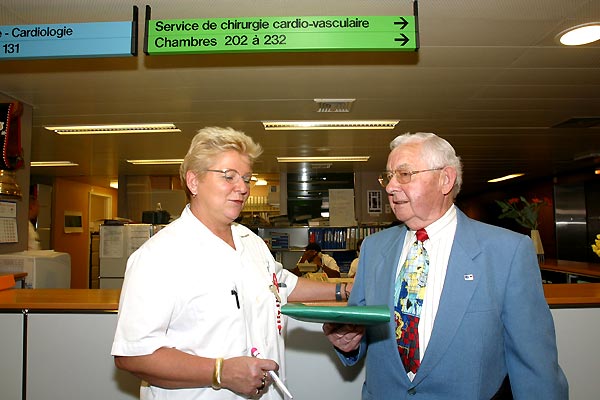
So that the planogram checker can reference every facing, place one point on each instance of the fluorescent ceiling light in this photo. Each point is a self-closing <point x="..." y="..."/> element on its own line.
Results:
<point x="109" y="129"/>
<point x="504" y="178"/>
<point x="581" y="34"/>
<point x="166" y="161"/>
<point x="314" y="125"/>
<point x="323" y="159"/>
<point x="53" y="164"/>
<point x="261" y="182"/>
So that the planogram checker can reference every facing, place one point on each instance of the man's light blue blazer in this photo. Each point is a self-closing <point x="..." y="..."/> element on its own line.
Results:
<point x="496" y="324"/>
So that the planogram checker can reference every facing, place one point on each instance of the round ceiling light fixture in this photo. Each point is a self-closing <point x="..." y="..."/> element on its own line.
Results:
<point x="580" y="34"/>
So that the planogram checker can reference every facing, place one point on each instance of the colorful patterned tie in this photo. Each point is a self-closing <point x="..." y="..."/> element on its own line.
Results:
<point x="409" y="292"/>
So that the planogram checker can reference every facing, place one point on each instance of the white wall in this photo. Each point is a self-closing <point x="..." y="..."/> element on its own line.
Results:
<point x="312" y="368"/>
<point x="11" y="358"/>
<point x="68" y="357"/>
<point x="577" y="335"/>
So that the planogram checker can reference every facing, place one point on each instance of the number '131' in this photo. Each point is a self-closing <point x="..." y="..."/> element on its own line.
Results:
<point x="10" y="48"/>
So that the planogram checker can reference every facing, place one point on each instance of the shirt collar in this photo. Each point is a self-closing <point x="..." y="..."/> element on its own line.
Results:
<point x="439" y="226"/>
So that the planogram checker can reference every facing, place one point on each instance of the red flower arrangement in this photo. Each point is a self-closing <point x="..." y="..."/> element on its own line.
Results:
<point x="524" y="212"/>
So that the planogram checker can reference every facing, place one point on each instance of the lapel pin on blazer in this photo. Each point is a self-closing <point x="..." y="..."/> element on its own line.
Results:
<point x="468" y="277"/>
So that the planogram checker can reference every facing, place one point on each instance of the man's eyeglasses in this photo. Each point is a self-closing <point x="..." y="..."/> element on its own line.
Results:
<point x="232" y="176"/>
<point x="402" y="175"/>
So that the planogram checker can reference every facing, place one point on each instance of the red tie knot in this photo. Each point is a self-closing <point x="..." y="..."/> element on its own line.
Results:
<point x="422" y="235"/>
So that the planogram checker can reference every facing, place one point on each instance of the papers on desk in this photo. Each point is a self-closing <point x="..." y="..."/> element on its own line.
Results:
<point x="307" y="267"/>
<point x="316" y="276"/>
<point x="359" y="315"/>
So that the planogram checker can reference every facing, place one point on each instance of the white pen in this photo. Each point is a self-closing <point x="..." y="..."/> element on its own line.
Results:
<point x="273" y="376"/>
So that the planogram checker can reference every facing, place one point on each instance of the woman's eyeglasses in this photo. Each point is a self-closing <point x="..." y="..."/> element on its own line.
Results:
<point x="232" y="176"/>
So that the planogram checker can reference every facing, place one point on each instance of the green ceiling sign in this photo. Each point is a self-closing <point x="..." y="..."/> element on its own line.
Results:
<point x="272" y="34"/>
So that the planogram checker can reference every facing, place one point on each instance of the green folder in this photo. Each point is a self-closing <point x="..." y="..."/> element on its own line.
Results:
<point x="358" y="315"/>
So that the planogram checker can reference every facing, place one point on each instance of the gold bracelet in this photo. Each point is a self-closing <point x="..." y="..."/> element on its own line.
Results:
<point x="216" y="378"/>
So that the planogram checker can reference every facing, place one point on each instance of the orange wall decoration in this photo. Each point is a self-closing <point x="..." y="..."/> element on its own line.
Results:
<point x="74" y="196"/>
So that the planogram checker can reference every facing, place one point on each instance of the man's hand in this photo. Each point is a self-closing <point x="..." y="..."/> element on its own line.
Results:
<point x="343" y="336"/>
<point x="317" y="260"/>
<point x="309" y="256"/>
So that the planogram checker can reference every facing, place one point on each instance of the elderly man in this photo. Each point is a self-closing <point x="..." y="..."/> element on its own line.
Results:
<point x="470" y="319"/>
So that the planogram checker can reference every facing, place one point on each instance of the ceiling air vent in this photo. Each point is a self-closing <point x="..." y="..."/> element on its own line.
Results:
<point x="579" y="122"/>
<point x="320" y="165"/>
<point x="334" y="105"/>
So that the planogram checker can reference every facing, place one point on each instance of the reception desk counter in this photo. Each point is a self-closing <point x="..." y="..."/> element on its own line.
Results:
<point x="56" y="345"/>
<point x="60" y="299"/>
<point x="572" y="295"/>
<point x="107" y="300"/>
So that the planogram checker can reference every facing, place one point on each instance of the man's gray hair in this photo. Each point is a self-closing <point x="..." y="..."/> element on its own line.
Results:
<point x="436" y="151"/>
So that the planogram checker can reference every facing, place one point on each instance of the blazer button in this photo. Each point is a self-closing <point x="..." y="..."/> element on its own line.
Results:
<point x="412" y="391"/>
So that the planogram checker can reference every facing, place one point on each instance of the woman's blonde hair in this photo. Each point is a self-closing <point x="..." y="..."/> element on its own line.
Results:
<point x="211" y="142"/>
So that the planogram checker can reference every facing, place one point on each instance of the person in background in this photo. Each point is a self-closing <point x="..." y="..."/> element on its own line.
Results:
<point x="483" y="327"/>
<point x="204" y="291"/>
<point x="33" y="242"/>
<point x="354" y="263"/>
<point x="324" y="262"/>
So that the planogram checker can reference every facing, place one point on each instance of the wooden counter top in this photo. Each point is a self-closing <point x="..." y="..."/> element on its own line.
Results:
<point x="60" y="299"/>
<point x="558" y="295"/>
<point x="572" y="294"/>
<point x="572" y="267"/>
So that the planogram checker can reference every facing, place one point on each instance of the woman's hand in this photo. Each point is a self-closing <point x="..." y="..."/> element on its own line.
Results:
<point x="247" y="375"/>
